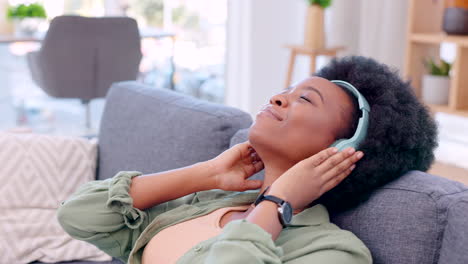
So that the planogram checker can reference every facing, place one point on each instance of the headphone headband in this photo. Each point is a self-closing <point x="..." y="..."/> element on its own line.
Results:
<point x="363" y="104"/>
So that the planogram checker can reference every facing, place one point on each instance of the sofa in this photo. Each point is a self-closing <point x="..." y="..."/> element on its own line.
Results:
<point x="418" y="218"/>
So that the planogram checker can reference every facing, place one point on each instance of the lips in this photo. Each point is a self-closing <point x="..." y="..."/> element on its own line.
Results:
<point x="271" y="111"/>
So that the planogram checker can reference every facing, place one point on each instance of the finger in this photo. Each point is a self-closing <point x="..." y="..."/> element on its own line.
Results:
<point x="335" y="181"/>
<point x="251" y="158"/>
<point x="252" y="184"/>
<point x="254" y="157"/>
<point x="318" y="158"/>
<point x="259" y="166"/>
<point x="254" y="168"/>
<point x="244" y="148"/>
<point x="334" y="160"/>
<point x="343" y="166"/>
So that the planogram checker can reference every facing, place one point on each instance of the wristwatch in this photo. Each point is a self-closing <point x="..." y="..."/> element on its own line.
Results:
<point x="285" y="211"/>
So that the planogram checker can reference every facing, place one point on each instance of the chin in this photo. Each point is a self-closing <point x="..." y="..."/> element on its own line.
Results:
<point x="262" y="141"/>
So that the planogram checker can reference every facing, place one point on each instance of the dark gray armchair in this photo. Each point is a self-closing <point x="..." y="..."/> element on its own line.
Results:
<point x="81" y="57"/>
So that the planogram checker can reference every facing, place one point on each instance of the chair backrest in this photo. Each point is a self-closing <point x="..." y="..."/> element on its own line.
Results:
<point x="81" y="57"/>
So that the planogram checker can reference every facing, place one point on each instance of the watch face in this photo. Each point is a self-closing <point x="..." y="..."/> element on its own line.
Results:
<point x="286" y="211"/>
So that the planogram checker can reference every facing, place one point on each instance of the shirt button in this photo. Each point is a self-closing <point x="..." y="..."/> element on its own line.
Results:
<point x="198" y="248"/>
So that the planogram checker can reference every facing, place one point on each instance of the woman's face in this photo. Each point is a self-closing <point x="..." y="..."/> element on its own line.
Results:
<point x="302" y="120"/>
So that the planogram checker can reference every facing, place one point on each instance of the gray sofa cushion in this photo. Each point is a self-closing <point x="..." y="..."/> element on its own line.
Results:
<point x="418" y="218"/>
<point x="150" y="129"/>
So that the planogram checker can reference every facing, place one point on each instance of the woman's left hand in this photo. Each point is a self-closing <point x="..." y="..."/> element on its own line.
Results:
<point x="234" y="166"/>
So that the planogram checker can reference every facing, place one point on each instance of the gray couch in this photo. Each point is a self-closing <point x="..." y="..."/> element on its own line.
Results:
<point x="419" y="218"/>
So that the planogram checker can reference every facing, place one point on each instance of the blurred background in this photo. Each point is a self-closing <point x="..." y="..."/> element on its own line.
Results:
<point x="196" y="46"/>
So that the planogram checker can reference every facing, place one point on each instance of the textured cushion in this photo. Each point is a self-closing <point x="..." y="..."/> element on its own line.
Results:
<point x="418" y="218"/>
<point x="37" y="172"/>
<point x="150" y="129"/>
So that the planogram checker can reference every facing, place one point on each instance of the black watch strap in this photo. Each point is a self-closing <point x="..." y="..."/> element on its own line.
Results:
<point x="274" y="199"/>
<point x="284" y="208"/>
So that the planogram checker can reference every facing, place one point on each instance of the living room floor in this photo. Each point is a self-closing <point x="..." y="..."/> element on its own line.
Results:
<point x="450" y="172"/>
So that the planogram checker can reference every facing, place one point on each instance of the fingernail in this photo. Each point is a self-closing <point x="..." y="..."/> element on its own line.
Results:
<point x="334" y="150"/>
<point x="360" y="154"/>
<point x="351" y="150"/>
<point x="352" y="167"/>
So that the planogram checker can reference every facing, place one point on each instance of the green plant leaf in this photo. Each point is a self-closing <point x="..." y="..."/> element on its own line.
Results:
<point x="321" y="3"/>
<point x="445" y="67"/>
<point x="442" y="69"/>
<point x="22" y="11"/>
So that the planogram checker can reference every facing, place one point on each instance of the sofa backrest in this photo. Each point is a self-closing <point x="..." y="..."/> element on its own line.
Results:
<point x="419" y="218"/>
<point x="150" y="129"/>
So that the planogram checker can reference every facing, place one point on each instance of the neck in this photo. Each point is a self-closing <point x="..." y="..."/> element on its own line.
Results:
<point x="271" y="174"/>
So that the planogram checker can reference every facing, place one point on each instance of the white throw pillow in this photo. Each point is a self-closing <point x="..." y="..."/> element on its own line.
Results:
<point x="37" y="173"/>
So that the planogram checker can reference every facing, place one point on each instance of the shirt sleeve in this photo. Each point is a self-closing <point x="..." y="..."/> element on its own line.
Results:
<point x="101" y="212"/>
<point x="244" y="242"/>
<point x="330" y="256"/>
<point x="333" y="257"/>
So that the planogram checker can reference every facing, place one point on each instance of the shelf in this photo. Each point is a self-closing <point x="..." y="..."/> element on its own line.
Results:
<point x="447" y="109"/>
<point x="424" y="38"/>
<point x="437" y="38"/>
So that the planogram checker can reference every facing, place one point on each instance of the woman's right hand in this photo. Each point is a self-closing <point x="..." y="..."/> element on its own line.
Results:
<point x="233" y="167"/>
<point x="308" y="179"/>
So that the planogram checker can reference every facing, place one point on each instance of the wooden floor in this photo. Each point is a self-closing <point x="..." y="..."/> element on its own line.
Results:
<point x="450" y="172"/>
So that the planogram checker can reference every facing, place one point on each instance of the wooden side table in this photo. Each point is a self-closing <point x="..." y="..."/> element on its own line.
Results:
<point x="312" y="53"/>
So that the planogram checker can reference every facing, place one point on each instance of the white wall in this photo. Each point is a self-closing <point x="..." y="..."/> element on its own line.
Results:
<point x="258" y="30"/>
<point x="256" y="57"/>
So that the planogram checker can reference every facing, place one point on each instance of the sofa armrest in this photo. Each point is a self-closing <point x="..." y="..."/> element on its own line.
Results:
<point x="455" y="240"/>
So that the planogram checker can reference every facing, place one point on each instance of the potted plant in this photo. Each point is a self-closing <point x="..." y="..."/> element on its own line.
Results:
<point x="26" y="18"/>
<point x="436" y="84"/>
<point x="314" y="34"/>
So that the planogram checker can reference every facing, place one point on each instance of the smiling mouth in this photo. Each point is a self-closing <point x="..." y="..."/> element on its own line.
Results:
<point x="269" y="113"/>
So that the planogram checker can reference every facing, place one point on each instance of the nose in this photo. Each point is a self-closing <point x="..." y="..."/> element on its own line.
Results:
<point x="279" y="100"/>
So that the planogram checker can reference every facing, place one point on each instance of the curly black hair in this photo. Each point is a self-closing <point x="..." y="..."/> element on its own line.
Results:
<point x="402" y="135"/>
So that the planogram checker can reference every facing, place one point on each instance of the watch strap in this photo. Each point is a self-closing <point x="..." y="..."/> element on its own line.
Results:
<point x="279" y="202"/>
<point x="274" y="199"/>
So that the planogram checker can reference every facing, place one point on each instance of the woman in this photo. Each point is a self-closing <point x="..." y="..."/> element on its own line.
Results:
<point x="177" y="216"/>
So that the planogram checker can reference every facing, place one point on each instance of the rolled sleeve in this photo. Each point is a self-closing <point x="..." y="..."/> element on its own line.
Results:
<point x="101" y="213"/>
<point x="121" y="202"/>
<point x="244" y="242"/>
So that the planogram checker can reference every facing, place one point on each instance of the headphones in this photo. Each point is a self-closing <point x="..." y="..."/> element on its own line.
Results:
<point x="361" y="130"/>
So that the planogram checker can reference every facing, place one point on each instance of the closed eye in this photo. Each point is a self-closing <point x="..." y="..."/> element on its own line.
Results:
<point x="305" y="98"/>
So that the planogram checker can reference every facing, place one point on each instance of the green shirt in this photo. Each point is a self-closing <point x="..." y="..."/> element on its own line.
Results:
<point x="102" y="213"/>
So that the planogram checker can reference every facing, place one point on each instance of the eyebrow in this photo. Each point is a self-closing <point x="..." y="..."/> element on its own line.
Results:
<point x="310" y="88"/>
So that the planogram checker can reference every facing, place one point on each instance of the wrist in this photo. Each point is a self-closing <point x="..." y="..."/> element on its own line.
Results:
<point x="265" y="215"/>
<point x="280" y="194"/>
<point x="207" y="177"/>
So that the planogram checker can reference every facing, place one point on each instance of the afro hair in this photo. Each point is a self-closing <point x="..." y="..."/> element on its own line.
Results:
<point x="402" y="135"/>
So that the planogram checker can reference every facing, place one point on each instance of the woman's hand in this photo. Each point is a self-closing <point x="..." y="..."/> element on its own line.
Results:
<point x="308" y="179"/>
<point x="234" y="166"/>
